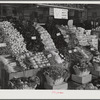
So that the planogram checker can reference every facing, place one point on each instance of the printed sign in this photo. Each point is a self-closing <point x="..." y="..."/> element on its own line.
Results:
<point x="60" y="13"/>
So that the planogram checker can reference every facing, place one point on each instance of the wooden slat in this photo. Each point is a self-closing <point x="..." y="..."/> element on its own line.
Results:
<point x="26" y="73"/>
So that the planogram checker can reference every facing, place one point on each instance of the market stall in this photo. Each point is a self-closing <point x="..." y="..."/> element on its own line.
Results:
<point x="61" y="57"/>
<point x="19" y="63"/>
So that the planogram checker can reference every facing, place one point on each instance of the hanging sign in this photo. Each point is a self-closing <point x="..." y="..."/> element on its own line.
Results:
<point x="60" y="13"/>
<point x="57" y="13"/>
<point x="64" y="14"/>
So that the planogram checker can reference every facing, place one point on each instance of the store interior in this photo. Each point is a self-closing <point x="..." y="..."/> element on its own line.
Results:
<point x="50" y="46"/>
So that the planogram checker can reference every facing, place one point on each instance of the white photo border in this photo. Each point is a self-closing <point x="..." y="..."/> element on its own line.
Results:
<point x="50" y="94"/>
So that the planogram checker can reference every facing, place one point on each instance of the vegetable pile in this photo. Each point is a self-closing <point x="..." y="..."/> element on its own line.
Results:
<point x="14" y="41"/>
<point x="46" y="38"/>
<point x="24" y="83"/>
<point x="88" y="86"/>
<point x="56" y="72"/>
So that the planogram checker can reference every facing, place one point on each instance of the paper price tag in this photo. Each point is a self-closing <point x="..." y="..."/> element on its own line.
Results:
<point x="75" y="50"/>
<point x="33" y="37"/>
<point x="49" y="55"/>
<point x="3" y="45"/>
<point x="92" y="49"/>
<point x="58" y="34"/>
<point x="70" y="51"/>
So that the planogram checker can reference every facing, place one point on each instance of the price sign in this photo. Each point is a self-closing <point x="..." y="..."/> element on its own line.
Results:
<point x="64" y="14"/>
<point x="57" y="13"/>
<point x="33" y="37"/>
<point x="49" y="56"/>
<point x="60" y="13"/>
<point x="58" y="34"/>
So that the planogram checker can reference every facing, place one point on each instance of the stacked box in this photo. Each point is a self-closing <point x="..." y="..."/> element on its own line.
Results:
<point x="63" y="86"/>
<point x="82" y="80"/>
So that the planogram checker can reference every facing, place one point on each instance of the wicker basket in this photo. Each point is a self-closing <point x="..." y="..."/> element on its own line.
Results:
<point x="52" y="82"/>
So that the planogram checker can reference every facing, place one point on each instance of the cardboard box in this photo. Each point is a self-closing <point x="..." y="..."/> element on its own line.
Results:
<point x="82" y="80"/>
<point x="96" y="73"/>
<point x="63" y="86"/>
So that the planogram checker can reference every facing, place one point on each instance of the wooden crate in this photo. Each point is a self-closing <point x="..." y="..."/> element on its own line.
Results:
<point x="5" y="76"/>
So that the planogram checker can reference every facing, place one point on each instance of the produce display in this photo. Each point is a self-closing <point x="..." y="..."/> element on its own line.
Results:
<point x="80" y="35"/>
<point x="69" y="36"/>
<point x="13" y="38"/>
<point x="82" y="68"/>
<point x="15" y="42"/>
<point x="48" y="43"/>
<point x="70" y="51"/>
<point x="86" y="54"/>
<point x="74" y="51"/>
<point x="17" y="47"/>
<point x="24" y="83"/>
<point x="46" y="39"/>
<point x="88" y="86"/>
<point x="55" y="75"/>
<point x="78" y="53"/>
<point x="10" y="64"/>
<point x="85" y="38"/>
<point x="33" y="40"/>
<point x="39" y="60"/>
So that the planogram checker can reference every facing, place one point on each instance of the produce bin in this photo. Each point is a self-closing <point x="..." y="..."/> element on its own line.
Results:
<point x="5" y="76"/>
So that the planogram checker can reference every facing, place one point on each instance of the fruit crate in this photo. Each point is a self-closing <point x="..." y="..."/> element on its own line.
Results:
<point x="5" y="76"/>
